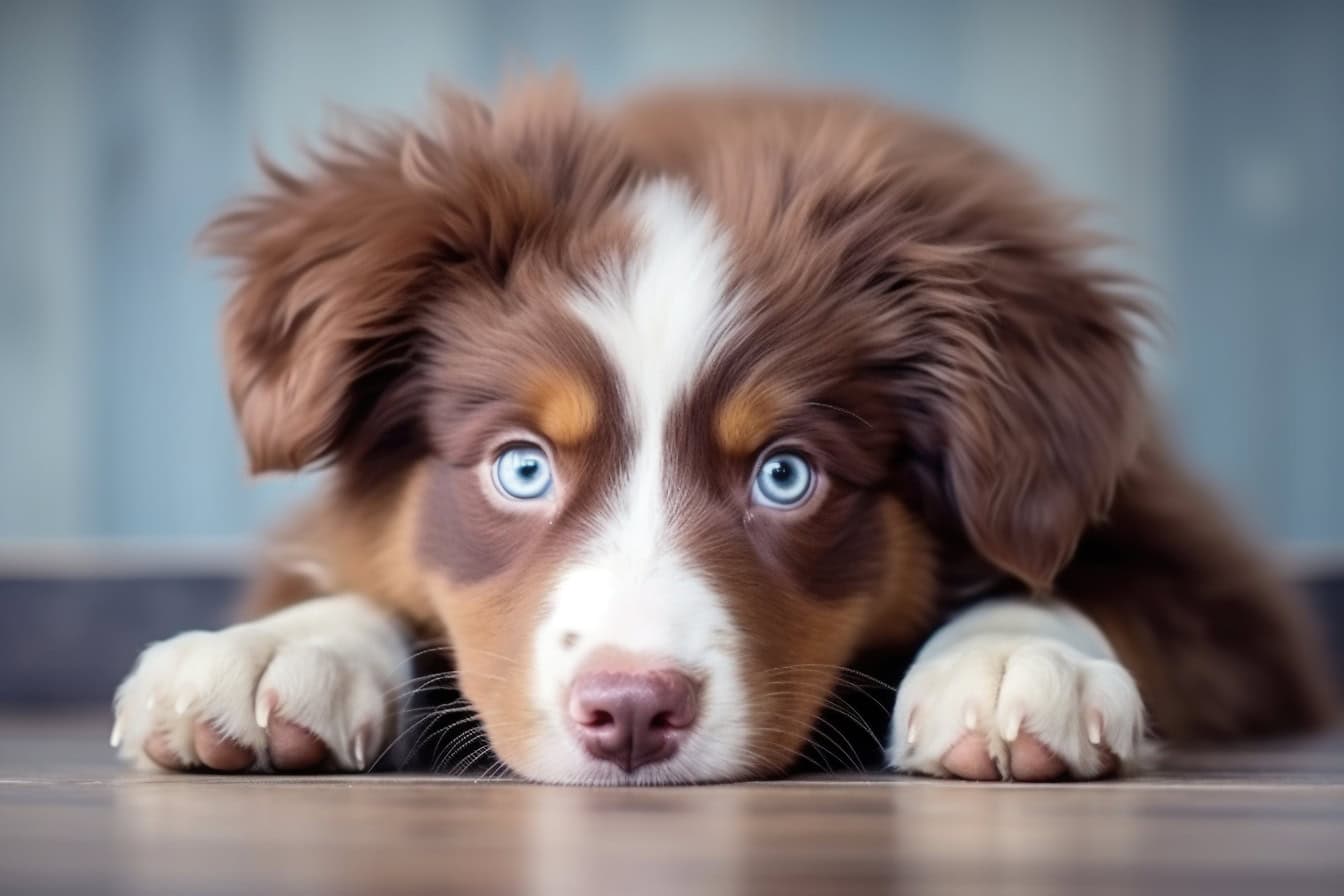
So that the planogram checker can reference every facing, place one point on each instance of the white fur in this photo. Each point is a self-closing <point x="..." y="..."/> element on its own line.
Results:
<point x="664" y="612"/>
<point x="631" y="588"/>
<point x="334" y="665"/>
<point x="660" y="323"/>
<point x="1014" y="666"/>
<point x="662" y="318"/>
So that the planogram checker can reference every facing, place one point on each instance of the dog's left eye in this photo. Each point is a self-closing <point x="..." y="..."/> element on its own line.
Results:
<point x="783" y="480"/>
<point x="523" y="473"/>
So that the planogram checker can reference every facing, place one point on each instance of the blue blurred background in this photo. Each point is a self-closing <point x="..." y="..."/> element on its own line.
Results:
<point x="1210" y="133"/>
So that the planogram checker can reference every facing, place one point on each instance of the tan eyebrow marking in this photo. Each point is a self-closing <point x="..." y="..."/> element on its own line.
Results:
<point x="746" y="419"/>
<point x="563" y="406"/>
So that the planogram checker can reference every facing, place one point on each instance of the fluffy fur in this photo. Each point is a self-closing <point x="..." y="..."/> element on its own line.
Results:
<point x="660" y="295"/>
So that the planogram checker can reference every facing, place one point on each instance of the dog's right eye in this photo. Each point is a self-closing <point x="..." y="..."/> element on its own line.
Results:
<point x="523" y="473"/>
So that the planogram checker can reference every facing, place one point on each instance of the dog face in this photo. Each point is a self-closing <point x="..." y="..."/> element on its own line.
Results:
<point x="683" y="401"/>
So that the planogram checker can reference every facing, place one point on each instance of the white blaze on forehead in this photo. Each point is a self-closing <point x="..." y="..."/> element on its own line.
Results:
<point x="630" y="586"/>
<point x="660" y="323"/>
<point x="661" y="320"/>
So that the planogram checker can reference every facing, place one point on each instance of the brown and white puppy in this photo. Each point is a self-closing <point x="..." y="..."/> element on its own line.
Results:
<point x="657" y="417"/>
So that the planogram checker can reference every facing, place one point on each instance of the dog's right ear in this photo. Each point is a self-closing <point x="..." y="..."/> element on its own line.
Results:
<point x="336" y="269"/>
<point x="324" y="264"/>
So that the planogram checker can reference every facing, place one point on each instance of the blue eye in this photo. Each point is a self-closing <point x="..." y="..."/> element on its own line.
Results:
<point x="523" y="472"/>
<point x="784" y="480"/>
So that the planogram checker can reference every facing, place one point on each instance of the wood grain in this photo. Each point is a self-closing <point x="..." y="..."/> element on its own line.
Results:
<point x="1254" y="820"/>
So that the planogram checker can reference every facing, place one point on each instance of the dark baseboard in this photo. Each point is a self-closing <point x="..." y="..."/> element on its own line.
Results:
<point x="1326" y="590"/>
<point x="67" y="641"/>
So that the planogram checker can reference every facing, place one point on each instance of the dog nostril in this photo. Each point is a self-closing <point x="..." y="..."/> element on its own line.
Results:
<point x="632" y="718"/>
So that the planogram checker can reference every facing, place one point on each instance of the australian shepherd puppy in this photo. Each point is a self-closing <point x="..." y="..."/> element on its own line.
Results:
<point x="656" y="417"/>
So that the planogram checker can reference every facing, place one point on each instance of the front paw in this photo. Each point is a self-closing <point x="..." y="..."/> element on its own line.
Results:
<point x="251" y="698"/>
<point x="1007" y="707"/>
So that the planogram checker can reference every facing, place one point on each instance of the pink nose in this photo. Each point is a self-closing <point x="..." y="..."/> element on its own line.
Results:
<point x="632" y="718"/>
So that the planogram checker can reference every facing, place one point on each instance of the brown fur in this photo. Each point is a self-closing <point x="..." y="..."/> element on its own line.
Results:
<point x="923" y="315"/>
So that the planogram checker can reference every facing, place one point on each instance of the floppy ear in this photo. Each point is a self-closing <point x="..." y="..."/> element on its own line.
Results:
<point x="1038" y="445"/>
<point x="338" y="270"/>
<point x="1020" y="383"/>
<point x="326" y="265"/>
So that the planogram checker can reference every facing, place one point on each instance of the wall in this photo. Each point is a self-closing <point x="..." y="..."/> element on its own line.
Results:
<point x="1209" y="134"/>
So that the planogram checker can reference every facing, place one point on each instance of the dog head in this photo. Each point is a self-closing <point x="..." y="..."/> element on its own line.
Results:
<point x="684" y="400"/>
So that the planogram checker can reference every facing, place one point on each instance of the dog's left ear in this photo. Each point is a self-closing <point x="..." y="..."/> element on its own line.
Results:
<point x="1038" y="448"/>
<point x="1020" y="385"/>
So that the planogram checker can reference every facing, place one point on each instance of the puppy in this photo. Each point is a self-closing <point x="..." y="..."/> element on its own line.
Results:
<point x="655" y="418"/>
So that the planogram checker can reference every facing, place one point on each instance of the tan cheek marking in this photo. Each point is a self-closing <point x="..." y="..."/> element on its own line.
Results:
<point x="490" y="628"/>
<point x="811" y="639"/>
<point x="745" y="420"/>
<point x="564" y="408"/>
<point x="365" y="544"/>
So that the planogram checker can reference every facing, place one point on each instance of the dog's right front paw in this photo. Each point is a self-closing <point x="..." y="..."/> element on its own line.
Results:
<point x="283" y="693"/>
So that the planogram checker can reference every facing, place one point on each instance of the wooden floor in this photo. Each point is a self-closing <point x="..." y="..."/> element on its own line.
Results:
<point x="1262" y="820"/>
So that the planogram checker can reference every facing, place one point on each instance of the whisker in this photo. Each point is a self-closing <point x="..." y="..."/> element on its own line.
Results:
<point x="388" y="749"/>
<point x="845" y="670"/>
<point x="836" y="702"/>
<point x="440" y="733"/>
<point x="465" y="764"/>
<point x="839" y="410"/>
<point x="496" y="771"/>
<point x="426" y="732"/>
<point x="442" y="681"/>
<point x="782" y="733"/>
<point x="423" y="648"/>
<point x="840" y="736"/>
<point x="473" y="729"/>
<point x="481" y="650"/>
<point x="860" y="687"/>
<point x="829" y="699"/>
<point x="460" y="744"/>
<point x="844" y="709"/>
<point x="459" y="705"/>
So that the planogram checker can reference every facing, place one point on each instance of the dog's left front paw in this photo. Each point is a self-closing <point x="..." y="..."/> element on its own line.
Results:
<point x="1007" y="707"/>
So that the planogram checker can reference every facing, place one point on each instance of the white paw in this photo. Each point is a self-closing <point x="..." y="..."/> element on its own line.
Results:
<point x="1016" y="707"/>
<point x="313" y="685"/>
